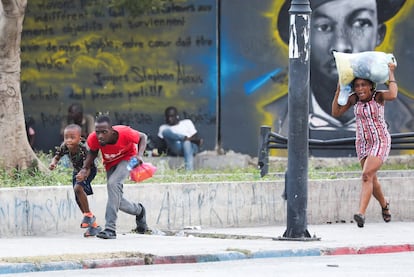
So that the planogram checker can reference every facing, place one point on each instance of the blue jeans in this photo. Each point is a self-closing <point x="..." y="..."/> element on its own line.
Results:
<point x="116" y="176"/>
<point x="178" y="146"/>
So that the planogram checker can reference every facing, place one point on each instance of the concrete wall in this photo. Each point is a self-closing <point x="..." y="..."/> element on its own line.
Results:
<point x="52" y="210"/>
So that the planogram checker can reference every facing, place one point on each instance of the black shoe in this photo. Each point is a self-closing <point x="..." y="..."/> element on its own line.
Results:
<point x="360" y="220"/>
<point x="141" y="222"/>
<point x="106" y="234"/>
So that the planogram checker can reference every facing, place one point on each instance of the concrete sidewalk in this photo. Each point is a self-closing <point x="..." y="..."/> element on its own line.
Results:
<point x="71" y="251"/>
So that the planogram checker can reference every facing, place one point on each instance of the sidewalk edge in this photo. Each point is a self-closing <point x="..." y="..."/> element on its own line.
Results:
<point x="9" y="268"/>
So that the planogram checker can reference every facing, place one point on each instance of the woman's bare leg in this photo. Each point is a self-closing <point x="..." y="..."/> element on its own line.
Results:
<point x="370" y="167"/>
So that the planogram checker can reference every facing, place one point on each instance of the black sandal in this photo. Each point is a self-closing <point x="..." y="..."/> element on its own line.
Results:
<point x="360" y="220"/>
<point x="386" y="213"/>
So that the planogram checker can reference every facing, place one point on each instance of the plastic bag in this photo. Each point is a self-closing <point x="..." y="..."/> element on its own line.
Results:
<point x="371" y="65"/>
<point x="142" y="172"/>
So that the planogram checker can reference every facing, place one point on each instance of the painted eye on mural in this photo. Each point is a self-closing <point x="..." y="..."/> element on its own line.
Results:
<point x="362" y="23"/>
<point x="324" y="27"/>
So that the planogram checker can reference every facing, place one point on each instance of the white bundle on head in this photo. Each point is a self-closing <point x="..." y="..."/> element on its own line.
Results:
<point x="370" y="65"/>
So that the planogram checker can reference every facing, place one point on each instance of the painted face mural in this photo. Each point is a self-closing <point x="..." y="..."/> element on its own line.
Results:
<point x="342" y="25"/>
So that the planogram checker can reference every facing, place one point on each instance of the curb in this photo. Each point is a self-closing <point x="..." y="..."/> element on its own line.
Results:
<point x="8" y="268"/>
<point x="369" y="250"/>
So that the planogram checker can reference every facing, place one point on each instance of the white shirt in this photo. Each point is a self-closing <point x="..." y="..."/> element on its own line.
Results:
<point x="184" y="127"/>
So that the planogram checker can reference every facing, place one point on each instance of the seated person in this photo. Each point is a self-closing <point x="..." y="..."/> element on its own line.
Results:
<point x="180" y="136"/>
<point x="76" y="116"/>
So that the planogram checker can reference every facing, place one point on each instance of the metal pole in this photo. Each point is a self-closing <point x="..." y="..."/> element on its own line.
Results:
<point x="218" y="147"/>
<point x="298" y="107"/>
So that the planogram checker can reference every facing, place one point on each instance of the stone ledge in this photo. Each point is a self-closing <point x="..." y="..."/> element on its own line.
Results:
<point x="278" y="162"/>
<point x="205" y="160"/>
<point x="233" y="160"/>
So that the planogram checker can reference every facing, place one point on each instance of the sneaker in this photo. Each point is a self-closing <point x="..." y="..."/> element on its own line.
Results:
<point x="87" y="221"/>
<point x="106" y="234"/>
<point x="92" y="231"/>
<point x="141" y="222"/>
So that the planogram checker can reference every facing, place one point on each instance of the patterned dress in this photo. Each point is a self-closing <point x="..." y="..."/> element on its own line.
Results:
<point x="372" y="136"/>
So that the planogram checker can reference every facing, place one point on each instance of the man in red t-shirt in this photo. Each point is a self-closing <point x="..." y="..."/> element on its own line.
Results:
<point x="118" y="144"/>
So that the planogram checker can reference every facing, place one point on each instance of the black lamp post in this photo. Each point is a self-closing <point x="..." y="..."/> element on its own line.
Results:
<point x="298" y="98"/>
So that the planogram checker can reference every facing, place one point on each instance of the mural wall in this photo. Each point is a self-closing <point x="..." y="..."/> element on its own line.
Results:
<point x="222" y="62"/>
<point x="133" y="68"/>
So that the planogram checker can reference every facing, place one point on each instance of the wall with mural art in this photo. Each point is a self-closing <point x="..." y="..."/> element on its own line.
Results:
<point x="224" y="64"/>
<point x="133" y="68"/>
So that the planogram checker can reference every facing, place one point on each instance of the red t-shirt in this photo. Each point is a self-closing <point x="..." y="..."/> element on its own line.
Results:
<point x="124" y="149"/>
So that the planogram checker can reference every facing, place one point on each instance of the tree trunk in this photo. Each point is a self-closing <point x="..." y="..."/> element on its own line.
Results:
<point x="15" y="150"/>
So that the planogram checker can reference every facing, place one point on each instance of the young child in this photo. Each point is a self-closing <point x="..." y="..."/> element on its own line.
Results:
<point x="77" y="151"/>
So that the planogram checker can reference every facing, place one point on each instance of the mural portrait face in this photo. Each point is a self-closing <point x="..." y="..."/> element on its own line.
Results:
<point x="349" y="26"/>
